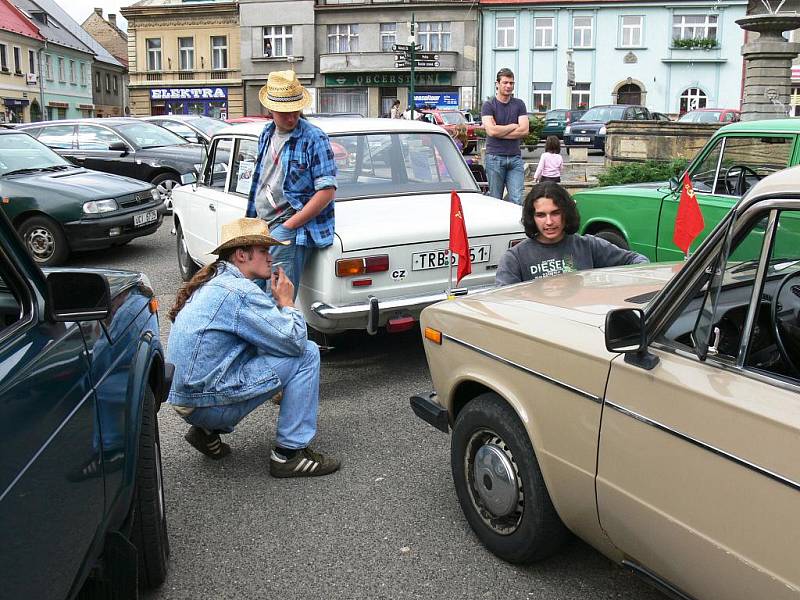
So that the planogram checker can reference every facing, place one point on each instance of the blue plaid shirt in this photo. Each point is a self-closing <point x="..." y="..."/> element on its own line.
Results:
<point x="308" y="163"/>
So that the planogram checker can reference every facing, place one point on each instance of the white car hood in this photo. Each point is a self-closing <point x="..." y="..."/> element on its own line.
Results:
<point x="393" y="220"/>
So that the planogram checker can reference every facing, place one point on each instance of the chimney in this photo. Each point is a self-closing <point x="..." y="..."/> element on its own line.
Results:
<point x="112" y="18"/>
<point x="98" y="12"/>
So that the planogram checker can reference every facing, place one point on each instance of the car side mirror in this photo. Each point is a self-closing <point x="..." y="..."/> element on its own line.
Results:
<point x="188" y="178"/>
<point x="76" y="296"/>
<point x="625" y="331"/>
<point x="118" y="147"/>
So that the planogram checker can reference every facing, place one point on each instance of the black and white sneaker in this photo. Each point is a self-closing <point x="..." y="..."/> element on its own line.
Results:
<point x="305" y="463"/>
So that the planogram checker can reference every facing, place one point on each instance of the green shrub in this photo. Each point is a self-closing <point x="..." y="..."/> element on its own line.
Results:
<point x="535" y="126"/>
<point x="704" y="43"/>
<point x="650" y="170"/>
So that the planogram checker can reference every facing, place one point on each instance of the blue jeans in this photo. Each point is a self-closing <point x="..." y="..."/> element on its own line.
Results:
<point x="293" y="258"/>
<point x="297" y="419"/>
<point x="506" y="172"/>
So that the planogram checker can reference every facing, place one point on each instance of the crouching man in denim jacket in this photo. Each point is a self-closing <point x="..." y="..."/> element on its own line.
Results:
<point x="235" y="346"/>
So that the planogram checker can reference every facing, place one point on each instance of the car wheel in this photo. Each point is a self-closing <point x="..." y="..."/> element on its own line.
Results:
<point x="186" y="265"/>
<point x="45" y="240"/>
<point x="149" y="531"/>
<point x="499" y="484"/>
<point x="613" y="236"/>
<point x="165" y="183"/>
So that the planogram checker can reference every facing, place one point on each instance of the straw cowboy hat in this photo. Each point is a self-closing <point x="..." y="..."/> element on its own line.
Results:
<point x="246" y="232"/>
<point x="284" y="93"/>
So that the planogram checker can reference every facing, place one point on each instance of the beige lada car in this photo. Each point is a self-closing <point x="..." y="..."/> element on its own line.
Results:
<point x="651" y="410"/>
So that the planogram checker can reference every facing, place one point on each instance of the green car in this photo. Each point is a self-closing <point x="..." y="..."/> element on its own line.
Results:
<point x="642" y="216"/>
<point x="557" y="119"/>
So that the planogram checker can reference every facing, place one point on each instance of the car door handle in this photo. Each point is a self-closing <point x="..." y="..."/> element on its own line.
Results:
<point x="212" y="207"/>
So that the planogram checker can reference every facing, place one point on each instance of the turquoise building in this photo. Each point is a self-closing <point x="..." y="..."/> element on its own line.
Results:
<point x="671" y="57"/>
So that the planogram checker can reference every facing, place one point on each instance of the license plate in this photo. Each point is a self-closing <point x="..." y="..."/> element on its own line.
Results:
<point x="436" y="259"/>
<point x="552" y="123"/>
<point x="145" y="218"/>
<point x="582" y="139"/>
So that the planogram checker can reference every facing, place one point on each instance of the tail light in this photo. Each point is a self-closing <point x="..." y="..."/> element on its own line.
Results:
<point x="347" y="267"/>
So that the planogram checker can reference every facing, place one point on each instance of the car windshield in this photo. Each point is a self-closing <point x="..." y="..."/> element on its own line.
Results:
<point x="20" y="152"/>
<point x="208" y="125"/>
<point x="704" y="116"/>
<point x="393" y="164"/>
<point x="453" y="117"/>
<point x="604" y="114"/>
<point x="149" y="135"/>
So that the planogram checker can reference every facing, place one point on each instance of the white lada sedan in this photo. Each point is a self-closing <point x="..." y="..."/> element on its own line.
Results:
<point x="389" y="258"/>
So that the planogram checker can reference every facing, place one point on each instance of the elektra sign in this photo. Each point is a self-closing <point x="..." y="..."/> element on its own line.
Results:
<point x="188" y="93"/>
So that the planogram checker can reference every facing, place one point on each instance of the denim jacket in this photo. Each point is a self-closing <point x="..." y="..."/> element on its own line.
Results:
<point x="224" y="338"/>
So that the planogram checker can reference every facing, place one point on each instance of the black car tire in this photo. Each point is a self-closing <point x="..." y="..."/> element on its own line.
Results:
<point x="45" y="240"/>
<point x="186" y="265"/>
<point x="149" y="531"/>
<point x="527" y="529"/>
<point x="165" y="182"/>
<point x="613" y="236"/>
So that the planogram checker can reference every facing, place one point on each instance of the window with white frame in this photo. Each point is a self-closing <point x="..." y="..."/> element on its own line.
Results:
<point x="186" y="53"/>
<point x="116" y="85"/>
<point x="582" y="32"/>
<point x="72" y="76"/>
<point x="62" y="73"/>
<point x="342" y="38"/>
<point x="83" y="74"/>
<point x="108" y="83"/>
<point x="580" y="95"/>
<point x="543" y="28"/>
<point x="278" y="40"/>
<point x="388" y="36"/>
<point x="506" y="32"/>
<point x="434" y="36"/>
<point x="48" y="66"/>
<point x="542" y="95"/>
<point x="3" y="57"/>
<point x="689" y="27"/>
<point x="17" y="60"/>
<point x="219" y="52"/>
<point x="631" y="31"/>
<point x="31" y="61"/>
<point x="692" y="98"/>
<point x="153" y="54"/>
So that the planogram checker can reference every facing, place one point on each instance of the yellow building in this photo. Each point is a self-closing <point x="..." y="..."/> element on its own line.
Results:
<point x="183" y="58"/>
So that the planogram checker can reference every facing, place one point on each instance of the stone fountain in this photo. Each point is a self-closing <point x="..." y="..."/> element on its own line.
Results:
<point x="768" y="64"/>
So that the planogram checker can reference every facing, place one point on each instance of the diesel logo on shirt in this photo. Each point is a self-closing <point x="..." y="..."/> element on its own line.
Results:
<point x="552" y="267"/>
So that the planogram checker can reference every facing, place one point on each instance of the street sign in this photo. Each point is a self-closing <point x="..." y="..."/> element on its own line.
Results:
<point x="401" y="64"/>
<point x="570" y="73"/>
<point x="427" y="56"/>
<point x="426" y="63"/>
<point x="401" y="48"/>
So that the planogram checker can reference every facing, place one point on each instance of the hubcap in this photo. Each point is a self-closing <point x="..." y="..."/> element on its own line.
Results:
<point x="165" y="189"/>
<point x="41" y="243"/>
<point x="494" y="483"/>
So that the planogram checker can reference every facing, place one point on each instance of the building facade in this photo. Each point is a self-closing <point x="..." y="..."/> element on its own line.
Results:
<point x="110" y="70"/>
<point x="670" y="57"/>
<point x="183" y="58"/>
<point x="20" y="48"/>
<point x="65" y="66"/>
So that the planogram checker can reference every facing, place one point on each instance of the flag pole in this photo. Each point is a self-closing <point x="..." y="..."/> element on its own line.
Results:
<point x="450" y="295"/>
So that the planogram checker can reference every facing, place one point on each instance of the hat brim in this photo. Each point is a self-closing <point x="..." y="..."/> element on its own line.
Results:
<point x="277" y="106"/>
<point x="248" y="240"/>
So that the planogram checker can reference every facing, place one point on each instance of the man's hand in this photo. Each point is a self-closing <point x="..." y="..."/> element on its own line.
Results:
<point x="282" y="289"/>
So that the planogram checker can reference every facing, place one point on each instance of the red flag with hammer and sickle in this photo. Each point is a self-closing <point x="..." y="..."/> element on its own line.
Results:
<point x="689" y="220"/>
<point x="459" y="243"/>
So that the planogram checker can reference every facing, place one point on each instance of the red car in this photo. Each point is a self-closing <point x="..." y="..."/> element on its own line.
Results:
<point x="711" y="115"/>
<point x="452" y="120"/>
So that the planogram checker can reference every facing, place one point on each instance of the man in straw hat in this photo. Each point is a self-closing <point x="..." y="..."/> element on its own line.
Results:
<point x="234" y="347"/>
<point x="295" y="176"/>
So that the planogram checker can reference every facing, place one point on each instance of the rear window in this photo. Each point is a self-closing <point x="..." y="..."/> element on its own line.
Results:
<point x="604" y="114"/>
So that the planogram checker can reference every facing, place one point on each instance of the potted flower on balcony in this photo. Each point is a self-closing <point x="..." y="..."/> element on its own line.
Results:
<point x="542" y="107"/>
<point x="582" y="106"/>
<point x="701" y="43"/>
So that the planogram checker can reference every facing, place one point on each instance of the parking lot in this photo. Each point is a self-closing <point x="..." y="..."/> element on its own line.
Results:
<point x="387" y="526"/>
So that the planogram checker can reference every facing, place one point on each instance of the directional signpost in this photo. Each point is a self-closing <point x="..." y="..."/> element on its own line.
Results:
<point x="409" y="56"/>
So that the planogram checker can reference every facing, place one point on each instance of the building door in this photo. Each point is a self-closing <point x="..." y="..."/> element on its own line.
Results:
<point x="629" y="93"/>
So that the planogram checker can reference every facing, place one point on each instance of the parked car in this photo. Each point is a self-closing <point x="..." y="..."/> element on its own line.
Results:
<point x="470" y="118"/>
<point x="124" y="146"/>
<point x="389" y="258"/>
<point x="650" y="410"/>
<point x="590" y="130"/>
<point x="327" y="115"/>
<point x="58" y="208"/>
<point x="711" y="115"/>
<point x="254" y="119"/>
<point x="657" y="116"/>
<point x="196" y="129"/>
<point x="642" y="216"/>
<point x="556" y="120"/>
<point x="82" y="375"/>
<point x="453" y="122"/>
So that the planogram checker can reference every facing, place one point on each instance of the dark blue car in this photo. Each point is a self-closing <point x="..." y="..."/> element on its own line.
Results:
<point x="590" y="130"/>
<point x="82" y="376"/>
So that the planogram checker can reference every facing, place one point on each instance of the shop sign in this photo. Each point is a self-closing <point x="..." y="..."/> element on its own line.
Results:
<point x="15" y="102"/>
<point x="386" y="79"/>
<point x="206" y="93"/>
<point x="437" y="99"/>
